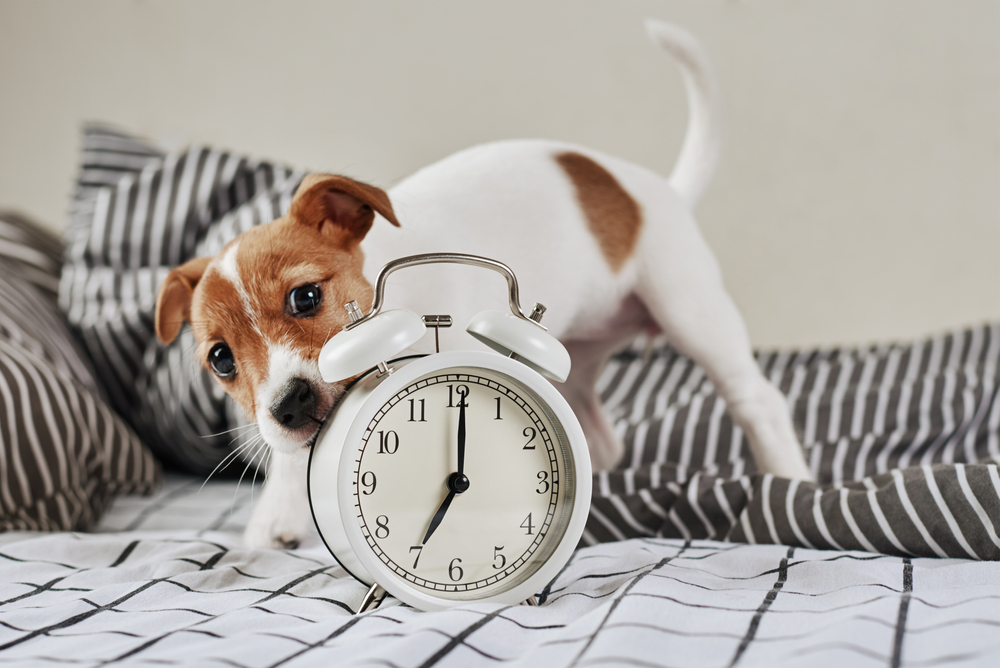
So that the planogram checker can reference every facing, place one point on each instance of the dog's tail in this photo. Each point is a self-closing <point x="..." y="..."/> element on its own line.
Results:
<point x="703" y="141"/>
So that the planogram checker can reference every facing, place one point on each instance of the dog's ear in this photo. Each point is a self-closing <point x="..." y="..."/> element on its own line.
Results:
<point x="339" y="205"/>
<point x="173" y="304"/>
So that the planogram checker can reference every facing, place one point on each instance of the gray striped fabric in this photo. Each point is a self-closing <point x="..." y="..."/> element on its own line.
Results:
<point x="137" y="213"/>
<point x="902" y="439"/>
<point x="885" y="426"/>
<point x="64" y="454"/>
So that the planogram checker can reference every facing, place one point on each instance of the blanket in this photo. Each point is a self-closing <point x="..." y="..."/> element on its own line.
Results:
<point x="167" y="582"/>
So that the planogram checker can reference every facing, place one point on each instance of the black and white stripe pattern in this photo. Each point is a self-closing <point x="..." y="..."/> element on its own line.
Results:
<point x="902" y="439"/>
<point x="64" y="454"/>
<point x="138" y="213"/>
<point x="172" y="585"/>
<point x="918" y="410"/>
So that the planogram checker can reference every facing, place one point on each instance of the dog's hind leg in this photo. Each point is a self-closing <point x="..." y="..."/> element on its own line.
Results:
<point x="680" y="283"/>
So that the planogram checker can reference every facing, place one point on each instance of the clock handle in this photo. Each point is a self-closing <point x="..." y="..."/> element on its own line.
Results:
<point x="434" y="258"/>
<point x="515" y="334"/>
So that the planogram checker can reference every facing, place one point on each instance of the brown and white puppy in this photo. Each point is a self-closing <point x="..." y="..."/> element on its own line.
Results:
<point x="609" y="247"/>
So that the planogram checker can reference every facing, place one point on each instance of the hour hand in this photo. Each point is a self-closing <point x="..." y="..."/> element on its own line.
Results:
<point x="438" y="516"/>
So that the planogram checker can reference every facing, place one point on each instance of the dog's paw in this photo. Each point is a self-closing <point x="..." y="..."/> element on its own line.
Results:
<point x="273" y="531"/>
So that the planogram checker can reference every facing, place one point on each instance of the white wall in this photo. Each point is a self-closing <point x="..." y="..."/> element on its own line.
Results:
<point x="859" y="192"/>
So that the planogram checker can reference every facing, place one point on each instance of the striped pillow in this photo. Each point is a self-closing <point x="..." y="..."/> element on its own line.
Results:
<point x="137" y="213"/>
<point x="64" y="454"/>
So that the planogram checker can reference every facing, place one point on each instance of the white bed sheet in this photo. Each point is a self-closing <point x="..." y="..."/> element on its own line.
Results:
<point x="166" y="581"/>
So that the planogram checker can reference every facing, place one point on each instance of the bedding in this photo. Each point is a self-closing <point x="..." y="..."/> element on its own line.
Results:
<point x="64" y="454"/>
<point x="903" y="440"/>
<point x="166" y="581"/>
<point x="690" y="557"/>
<point x="136" y="213"/>
<point x="900" y="437"/>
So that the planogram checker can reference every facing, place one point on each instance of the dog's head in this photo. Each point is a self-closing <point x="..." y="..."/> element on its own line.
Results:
<point x="262" y="308"/>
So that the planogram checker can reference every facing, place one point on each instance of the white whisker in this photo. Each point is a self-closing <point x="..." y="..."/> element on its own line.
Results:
<point x="228" y="459"/>
<point x="254" y="481"/>
<point x="245" y="427"/>
<point x="253" y="456"/>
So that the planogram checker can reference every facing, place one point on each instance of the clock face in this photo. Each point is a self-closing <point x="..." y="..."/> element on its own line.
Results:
<point x="463" y="483"/>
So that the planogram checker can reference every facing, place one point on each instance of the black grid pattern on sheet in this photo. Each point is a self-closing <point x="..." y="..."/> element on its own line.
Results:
<point x="179" y="596"/>
<point x="902" y="440"/>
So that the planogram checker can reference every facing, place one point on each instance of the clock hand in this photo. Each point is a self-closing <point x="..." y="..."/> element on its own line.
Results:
<point x="457" y="482"/>
<point x="438" y="516"/>
<point x="461" y="437"/>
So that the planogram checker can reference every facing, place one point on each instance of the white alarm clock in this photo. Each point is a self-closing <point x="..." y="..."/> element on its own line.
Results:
<point x="454" y="477"/>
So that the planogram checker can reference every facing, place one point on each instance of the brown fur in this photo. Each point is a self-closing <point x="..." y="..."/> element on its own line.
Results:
<point x="219" y="314"/>
<point x="613" y="216"/>
<point x="328" y="218"/>
<point x="173" y="303"/>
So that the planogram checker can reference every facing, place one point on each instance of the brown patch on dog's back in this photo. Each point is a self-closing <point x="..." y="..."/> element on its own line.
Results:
<point x="614" y="218"/>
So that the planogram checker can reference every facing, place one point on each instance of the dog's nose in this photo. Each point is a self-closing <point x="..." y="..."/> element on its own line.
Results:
<point x="295" y="404"/>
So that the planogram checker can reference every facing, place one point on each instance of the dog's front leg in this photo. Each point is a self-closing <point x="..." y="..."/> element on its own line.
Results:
<point x="281" y="516"/>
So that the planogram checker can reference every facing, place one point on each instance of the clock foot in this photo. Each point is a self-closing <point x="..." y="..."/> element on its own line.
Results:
<point x="372" y="599"/>
<point x="531" y="600"/>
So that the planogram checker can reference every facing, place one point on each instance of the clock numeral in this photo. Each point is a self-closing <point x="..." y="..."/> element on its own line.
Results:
<point x="497" y="555"/>
<point x="543" y="479"/>
<point x="388" y="442"/>
<point x="498" y="410"/>
<point x="530" y="433"/>
<point x="462" y="391"/>
<point x="453" y="569"/>
<point x="418" y="548"/>
<point x="381" y="527"/>
<point x="412" y="411"/>
<point x="526" y="524"/>
<point x="369" y="481"/>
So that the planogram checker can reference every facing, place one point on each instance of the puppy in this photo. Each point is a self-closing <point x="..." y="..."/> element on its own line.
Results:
<point x="609" y="247"/>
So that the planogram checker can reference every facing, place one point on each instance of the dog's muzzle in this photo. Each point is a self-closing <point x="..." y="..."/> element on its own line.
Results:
<point x="295" y="405"/>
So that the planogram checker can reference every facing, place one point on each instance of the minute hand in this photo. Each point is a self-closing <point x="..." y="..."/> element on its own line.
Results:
<point x="461" y="437"/>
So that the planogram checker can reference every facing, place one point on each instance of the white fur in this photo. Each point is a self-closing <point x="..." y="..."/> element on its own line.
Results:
<point x="226" y="264"/>
<point x="281" y="516"/>
<point x="284" y="364"/>
<point x="513" y="202"/>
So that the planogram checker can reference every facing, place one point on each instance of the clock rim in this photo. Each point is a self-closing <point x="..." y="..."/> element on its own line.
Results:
<point x="352" y="401"/>
<point x="377" y="397"/>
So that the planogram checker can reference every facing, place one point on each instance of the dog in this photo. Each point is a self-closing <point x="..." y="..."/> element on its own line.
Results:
<point x="610" y="248"/>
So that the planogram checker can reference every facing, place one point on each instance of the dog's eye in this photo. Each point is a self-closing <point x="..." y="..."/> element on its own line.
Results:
<point x="220" y="358"/>
<point x="305" y="299"/>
